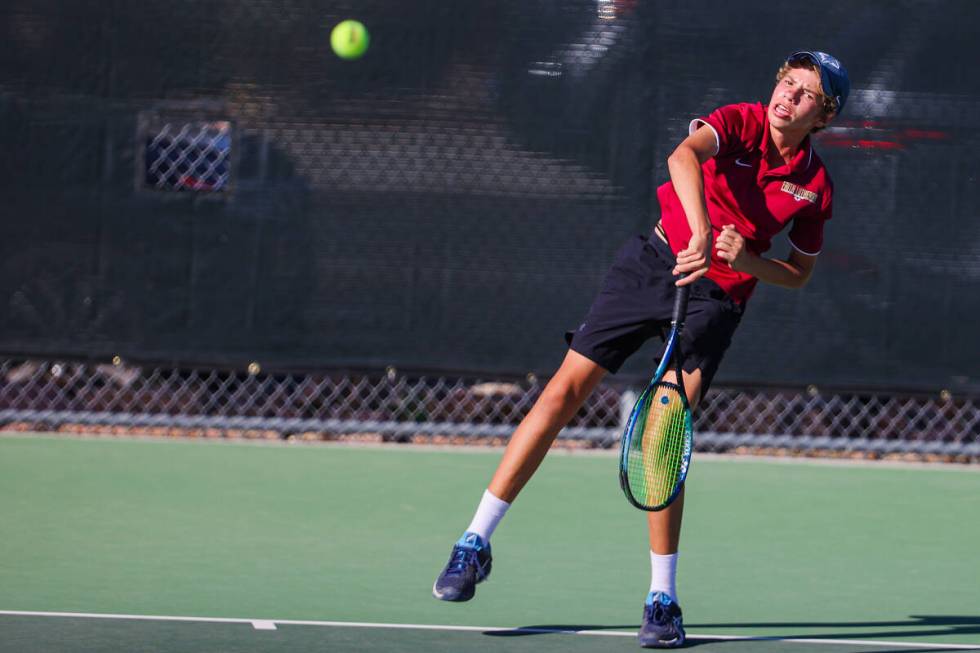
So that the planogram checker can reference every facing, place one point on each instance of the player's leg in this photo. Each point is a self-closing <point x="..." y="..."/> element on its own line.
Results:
<point x="470" y="560"/>
<point x="662" y="618"/>
<point x="562" y="397"/>
<point x="665" y="525"/>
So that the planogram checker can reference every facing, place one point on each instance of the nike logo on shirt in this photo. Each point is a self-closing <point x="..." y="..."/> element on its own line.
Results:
<point x="739" y="162"/>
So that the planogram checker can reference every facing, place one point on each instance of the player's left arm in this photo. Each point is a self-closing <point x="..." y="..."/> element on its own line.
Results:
<point x="793" y="272"/>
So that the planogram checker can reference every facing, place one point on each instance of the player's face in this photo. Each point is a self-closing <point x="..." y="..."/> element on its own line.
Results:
<point x="797" y="102"/>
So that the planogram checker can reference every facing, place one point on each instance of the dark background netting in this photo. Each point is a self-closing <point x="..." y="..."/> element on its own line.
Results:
<point x="452" y="200"/>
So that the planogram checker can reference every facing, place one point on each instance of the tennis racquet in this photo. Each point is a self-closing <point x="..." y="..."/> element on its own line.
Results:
<point x="655" y="451"/>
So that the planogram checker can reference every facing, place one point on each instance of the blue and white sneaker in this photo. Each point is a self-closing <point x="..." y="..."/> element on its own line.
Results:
<point x="468" y="565"/>
<point x="663" y="623"/>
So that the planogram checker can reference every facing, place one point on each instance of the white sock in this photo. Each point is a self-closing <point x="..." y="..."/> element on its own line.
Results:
<point x="663" y="574"/>
<point x="488" y="515"/>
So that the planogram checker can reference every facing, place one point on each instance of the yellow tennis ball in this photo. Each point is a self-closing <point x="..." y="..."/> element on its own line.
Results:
<point x="349" y="39"/>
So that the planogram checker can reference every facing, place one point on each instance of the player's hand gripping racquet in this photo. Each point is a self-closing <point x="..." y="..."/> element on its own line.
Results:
<point x="655" y="451"/>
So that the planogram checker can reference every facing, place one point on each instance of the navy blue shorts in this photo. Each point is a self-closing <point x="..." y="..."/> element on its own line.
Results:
<point x="636" y="302"/>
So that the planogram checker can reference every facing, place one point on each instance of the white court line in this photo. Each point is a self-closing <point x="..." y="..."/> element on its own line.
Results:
<point x="265" y="623"/>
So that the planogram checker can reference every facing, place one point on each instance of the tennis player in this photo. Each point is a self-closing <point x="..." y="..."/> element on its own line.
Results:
<point x="744" y="173"/>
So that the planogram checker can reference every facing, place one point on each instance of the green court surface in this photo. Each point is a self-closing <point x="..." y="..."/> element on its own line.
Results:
<point x="348" y="541"/>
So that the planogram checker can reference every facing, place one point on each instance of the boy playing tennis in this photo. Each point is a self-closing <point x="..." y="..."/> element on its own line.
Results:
<point x="744" y="173"/>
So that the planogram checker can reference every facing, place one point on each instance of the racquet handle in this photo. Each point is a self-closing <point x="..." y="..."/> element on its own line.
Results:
<point x="680" y="307"/>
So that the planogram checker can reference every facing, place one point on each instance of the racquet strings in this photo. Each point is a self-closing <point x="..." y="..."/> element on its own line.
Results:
<point x="656" y="454"/>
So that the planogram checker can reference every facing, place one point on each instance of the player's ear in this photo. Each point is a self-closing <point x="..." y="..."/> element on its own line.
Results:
<point x="824" y="120"/>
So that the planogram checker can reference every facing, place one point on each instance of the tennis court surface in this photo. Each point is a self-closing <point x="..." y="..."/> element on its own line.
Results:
<point x="166" y="546"/>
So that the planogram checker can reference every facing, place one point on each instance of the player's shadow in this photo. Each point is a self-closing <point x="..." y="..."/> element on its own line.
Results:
<point x="543" y="629"/>
<point x="523" y="631"/>
<point x="915" y="626"/>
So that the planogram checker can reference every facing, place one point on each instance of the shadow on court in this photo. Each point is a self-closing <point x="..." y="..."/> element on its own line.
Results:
<point x="550" y="630"/>
<point x="85" y="635"/>
<point x="915" y="626"/>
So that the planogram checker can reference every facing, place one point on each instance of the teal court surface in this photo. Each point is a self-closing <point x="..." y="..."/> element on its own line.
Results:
<point x="165" y="546"/>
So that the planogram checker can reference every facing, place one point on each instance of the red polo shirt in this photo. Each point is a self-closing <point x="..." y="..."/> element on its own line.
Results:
<point x="742" y="190"/>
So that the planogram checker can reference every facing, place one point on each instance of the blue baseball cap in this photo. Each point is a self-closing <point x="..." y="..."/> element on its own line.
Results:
<point x="833" y="75"/>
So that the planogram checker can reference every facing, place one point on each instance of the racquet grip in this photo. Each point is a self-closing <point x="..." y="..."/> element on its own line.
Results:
<point x="680" y="306"/>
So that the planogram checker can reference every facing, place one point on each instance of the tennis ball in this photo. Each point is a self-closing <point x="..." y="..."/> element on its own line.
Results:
<point x="349" y="39"/>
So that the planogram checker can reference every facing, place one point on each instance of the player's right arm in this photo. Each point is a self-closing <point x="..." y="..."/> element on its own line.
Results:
<point x="684" y="165"/>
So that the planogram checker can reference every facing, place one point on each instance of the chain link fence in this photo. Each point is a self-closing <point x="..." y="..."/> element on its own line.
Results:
<point x="224" y="189"/>
<point x="396" y="407"/>
<point x="188" y="156"/>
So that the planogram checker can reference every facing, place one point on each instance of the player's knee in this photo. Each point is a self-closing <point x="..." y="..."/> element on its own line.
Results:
<point x="562" y="395"/>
